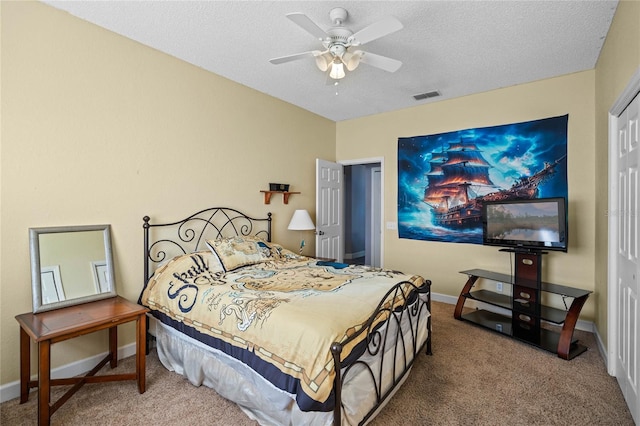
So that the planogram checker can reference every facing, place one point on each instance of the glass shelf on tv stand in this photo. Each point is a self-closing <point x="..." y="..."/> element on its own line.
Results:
<point x="526" y="316"/>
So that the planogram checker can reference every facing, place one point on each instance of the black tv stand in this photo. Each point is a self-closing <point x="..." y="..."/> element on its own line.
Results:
<point x="525" y="304"/>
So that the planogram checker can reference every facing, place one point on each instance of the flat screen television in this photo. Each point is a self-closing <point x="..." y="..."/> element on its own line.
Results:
<point x="532" y="224"/>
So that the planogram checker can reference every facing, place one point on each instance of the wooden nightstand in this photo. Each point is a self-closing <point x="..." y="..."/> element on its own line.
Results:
<point x="47" y="328"/>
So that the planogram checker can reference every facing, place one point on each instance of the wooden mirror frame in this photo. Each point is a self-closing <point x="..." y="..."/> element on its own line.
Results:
<point x="36" y="281"/>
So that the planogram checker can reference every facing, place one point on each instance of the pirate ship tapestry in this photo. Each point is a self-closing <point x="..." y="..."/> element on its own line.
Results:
<point x="443" y="179"/>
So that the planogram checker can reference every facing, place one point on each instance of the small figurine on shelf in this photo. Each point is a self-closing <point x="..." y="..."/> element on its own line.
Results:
<point x="280" y="187"/>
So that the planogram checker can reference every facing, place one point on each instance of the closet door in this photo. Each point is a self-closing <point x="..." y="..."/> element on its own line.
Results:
<point x="628" y="266"/>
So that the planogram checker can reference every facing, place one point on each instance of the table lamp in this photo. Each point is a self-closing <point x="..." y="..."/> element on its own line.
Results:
<point x="301" y="221"/>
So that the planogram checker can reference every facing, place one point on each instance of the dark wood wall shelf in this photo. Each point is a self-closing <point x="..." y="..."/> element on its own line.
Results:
<point x="285" y="195"/>
<point x="525" y="304"/>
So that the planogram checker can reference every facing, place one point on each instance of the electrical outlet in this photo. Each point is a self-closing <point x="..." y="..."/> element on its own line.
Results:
<point x="499" y="287"/>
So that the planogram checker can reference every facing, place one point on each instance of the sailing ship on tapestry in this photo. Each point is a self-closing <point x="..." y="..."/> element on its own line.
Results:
<point x="443" y="179"/>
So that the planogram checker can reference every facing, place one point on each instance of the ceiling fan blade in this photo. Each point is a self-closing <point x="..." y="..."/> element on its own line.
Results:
<point x="294" y="57"/>
<point x="379" y="61"/>
<point x="304" y="22"/>
<point x="376" y="30"/>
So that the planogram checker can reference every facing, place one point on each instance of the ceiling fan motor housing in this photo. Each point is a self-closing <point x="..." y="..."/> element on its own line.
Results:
<point x="337" y="50"/>
<point x="338" y="15"/>
<point x="338" y="36"/>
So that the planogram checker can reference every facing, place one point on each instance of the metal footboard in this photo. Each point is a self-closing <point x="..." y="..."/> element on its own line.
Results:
<point x="405" y="305"/>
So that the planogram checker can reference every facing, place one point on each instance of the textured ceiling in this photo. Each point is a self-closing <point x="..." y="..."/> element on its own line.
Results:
<point x="455" y="47"/>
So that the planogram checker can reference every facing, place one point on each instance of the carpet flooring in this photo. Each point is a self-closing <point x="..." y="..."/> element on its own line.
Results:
<point x="474" y="377"/>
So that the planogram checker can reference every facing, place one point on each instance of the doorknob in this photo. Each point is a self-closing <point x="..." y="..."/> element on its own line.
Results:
<point x="320" y="232"/>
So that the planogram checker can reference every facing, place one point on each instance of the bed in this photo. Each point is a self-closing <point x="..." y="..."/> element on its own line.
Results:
<point x="290" y="339"/>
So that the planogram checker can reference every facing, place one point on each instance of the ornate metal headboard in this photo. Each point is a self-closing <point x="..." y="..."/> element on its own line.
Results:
<point x="189" y="235"/>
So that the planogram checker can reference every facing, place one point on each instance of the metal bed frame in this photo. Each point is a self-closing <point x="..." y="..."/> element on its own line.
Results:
<point x="189" y="235"/>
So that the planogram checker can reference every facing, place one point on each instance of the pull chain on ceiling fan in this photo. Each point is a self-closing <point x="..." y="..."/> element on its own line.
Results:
<point x="342" y="46"/>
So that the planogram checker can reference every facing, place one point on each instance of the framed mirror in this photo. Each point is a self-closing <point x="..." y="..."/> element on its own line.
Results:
<point x="70" y="265"/>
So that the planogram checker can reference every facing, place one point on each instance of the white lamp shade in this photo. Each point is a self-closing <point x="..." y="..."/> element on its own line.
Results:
<point x="322" y="63"/>
<point x="337" y="70"/>
<point x="301" y="221"/>
<point x="352" y="60"/>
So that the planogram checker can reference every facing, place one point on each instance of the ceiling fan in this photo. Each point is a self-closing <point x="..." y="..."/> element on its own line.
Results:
<point x="341" y="46"/>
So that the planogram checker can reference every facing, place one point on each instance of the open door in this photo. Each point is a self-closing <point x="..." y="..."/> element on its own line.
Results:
<point x="329" y="210"/>
<point x="376" y="219"/>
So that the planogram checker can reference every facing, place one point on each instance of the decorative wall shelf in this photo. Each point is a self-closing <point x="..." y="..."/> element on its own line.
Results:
<point x="285" y="195"/>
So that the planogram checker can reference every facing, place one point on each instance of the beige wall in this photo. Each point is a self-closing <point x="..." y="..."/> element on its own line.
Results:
<point x="99" y="129"/>
<point x="618" y="61"/>
<point x="377" y="136"/>
<point x="586" y="97"/>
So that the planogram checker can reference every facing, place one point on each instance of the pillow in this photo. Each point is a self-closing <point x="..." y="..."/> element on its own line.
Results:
<point x="180" y="279"/>
<point x="235" y="252"/>
<point x="200" y="268"/>
<point x="280" y="253"/>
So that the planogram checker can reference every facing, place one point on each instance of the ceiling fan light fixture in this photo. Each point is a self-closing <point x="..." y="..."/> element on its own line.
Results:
<point x="337" y="41"/>
<point x="322" y="63"/>
<point x="337" y="69"/>
<point x="352" y="60"/>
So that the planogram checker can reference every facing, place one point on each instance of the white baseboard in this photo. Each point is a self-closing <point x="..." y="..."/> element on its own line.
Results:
<point x="601" y="347"/>
<point x="12" y="390"/>
<point x="444" y="298"/>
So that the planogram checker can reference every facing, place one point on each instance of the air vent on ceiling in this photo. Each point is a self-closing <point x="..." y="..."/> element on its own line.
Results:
<point x="426" y="95"/>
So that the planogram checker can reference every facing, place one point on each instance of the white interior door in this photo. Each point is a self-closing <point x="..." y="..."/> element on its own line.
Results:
<point x="627" y="265"/>
<point x="329" y="210"/>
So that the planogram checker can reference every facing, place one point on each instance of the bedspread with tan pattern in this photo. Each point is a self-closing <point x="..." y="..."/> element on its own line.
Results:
<point x="286" y="311"/>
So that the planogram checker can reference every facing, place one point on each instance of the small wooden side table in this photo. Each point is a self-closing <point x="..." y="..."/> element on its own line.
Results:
<point x="47" y="328"/>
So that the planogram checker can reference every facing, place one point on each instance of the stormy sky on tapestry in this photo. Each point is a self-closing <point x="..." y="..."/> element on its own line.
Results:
<point x="444" y="178"/>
